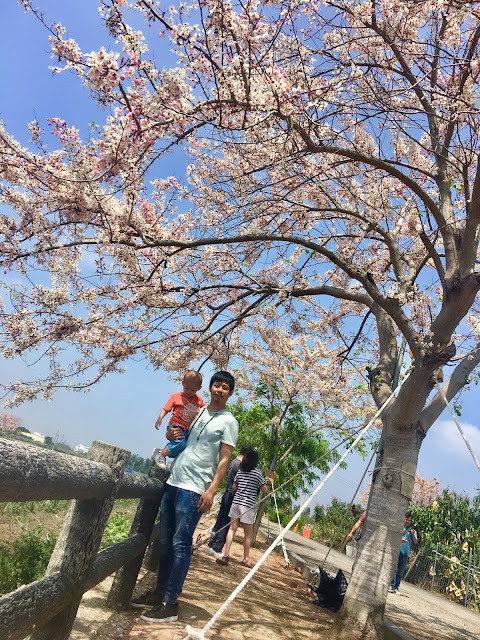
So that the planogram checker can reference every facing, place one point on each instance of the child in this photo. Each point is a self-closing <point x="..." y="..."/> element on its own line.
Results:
<point x="245" y="488"/>
<point x="184" y="406"/>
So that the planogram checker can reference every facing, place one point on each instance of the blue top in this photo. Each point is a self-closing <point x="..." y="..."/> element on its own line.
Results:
<point x="406" y="546"/>
<point x="232" y="472"/>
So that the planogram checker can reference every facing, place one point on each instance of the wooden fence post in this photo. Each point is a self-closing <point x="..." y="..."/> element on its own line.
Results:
<point x="79" y="540"/>
<point x="126" y="577"/>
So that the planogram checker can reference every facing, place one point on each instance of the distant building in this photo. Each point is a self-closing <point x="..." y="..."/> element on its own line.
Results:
<point x="36" y="437"/>
<point x="80" y="448"/>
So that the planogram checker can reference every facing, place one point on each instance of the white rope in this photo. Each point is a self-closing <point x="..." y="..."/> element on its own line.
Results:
<point x="201" y="635"/>
<point x="440" y="390"/>
<point x="285" y="555"/>
<point x="277" y="490"/>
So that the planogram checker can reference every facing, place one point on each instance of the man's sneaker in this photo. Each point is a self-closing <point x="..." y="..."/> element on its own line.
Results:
<point x="165" y="612"/>
<point x="223" y="560"/>
<point x="211" y="552"/>
<point x="149" y="599"/>
<point x="392" y="590"/>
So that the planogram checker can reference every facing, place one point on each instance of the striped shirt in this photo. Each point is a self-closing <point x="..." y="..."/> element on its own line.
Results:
<point x="248" y="483"/>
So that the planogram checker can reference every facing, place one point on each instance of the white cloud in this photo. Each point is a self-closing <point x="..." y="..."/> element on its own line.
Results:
<point x="447" y="437"/>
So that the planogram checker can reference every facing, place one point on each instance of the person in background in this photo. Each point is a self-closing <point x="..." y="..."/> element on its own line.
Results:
<point x="356" y="531"/>
<point x="245" y="488"/>
<point x="409" y="537"/>
<point x="220" y="528"/>
<point x="357" y="524"/>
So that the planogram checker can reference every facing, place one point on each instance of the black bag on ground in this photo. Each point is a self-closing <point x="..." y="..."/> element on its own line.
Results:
<point x="331" y="590"/>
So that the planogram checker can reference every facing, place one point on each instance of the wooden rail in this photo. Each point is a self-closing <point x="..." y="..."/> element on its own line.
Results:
<point x="46" y="608"/>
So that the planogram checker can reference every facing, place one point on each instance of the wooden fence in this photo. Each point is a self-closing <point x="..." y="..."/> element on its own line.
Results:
<point x="46" y="608"/>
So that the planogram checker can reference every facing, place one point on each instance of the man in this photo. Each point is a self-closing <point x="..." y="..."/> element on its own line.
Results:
<point x="409" y="537"/>
<point x="220" y="528"/>
<point x="195" y="476"/>
<point x="356" y="531"/>
<point x="358" y="523"/>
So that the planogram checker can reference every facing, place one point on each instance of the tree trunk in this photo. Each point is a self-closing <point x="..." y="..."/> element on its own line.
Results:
<point x="258" y="521"/>
<point x="261" y="508"/>
<point x="361" y="616"/>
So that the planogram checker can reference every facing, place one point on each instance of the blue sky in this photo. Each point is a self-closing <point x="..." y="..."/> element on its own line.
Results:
<point x="123" y="408"/>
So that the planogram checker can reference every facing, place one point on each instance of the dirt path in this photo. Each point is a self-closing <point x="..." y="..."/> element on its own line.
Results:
<point x="275" y="605"/>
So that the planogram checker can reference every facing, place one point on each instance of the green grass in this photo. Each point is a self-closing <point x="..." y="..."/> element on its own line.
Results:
<point x="22" y="508"/>
<point x="117" y="529"/>
<point x="26" y="559"/>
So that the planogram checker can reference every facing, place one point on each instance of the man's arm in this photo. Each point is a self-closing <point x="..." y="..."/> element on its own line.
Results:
<point x="174" y="433"/>
<point x="206" y="499"/>
<point x="353" y="529"/>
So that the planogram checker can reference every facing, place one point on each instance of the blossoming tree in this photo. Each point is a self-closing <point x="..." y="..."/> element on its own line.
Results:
<point x="334" y="189"/>
<point x="296" y="397"/>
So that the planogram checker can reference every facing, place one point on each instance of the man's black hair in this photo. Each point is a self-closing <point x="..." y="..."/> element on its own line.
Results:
<point x="223" y="376"/>
<point x="408" y="514"/>
<point x="250" y="460"/>
<point x="244" y="449"/>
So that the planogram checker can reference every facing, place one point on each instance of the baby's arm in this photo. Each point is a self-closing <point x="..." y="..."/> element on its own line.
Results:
<point x="163" y="413"/>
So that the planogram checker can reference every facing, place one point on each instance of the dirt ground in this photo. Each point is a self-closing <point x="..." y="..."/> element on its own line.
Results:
<point x="273" y="606"/>
<point x="13" y="526"/>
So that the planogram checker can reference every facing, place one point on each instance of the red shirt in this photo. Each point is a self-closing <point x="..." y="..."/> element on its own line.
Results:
<point x="184" y="409"/>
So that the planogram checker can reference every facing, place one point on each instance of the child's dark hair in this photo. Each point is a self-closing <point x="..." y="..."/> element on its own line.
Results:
<point x="223" y="376"/>
<point x="250" y="460"/>
<point x="244" y="449"/>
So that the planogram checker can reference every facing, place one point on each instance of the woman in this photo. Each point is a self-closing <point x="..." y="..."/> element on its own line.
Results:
<point x="245" y="488"/>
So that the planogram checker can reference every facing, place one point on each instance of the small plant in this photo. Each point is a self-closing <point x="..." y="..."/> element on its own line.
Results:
<point x="26" y="560"/>
<point x="117" y="529"/>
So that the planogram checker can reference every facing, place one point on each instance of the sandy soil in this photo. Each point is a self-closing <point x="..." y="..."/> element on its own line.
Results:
<point x="273" y="606"/>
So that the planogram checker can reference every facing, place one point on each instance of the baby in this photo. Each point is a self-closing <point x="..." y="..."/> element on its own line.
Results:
<point x="184" y="406"/>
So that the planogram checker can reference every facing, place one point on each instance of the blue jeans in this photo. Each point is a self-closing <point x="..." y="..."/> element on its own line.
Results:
<point x="223" y="519"/>
<point x="399" y="571"/>
<point x="178" y="519"/>
<point x="177" y="446"/>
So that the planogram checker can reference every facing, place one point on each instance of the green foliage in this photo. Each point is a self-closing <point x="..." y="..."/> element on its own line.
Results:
<point x="21" y="508"/>
<point x="271" y="427"/>
<point x="139" y="464"/>
<point x="285" y="516"/>
<point x="63" y="447"/>
<point x="117" y="529"/>
<point x="333" y="522"/>
<point x="26" y="560"/>
<point x="450" y="520"/>
<point x="450" y="525"/>
<point x="22" y="430"/>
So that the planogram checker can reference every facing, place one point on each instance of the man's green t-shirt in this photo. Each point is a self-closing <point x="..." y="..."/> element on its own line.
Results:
<point x="194" y="468"/>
